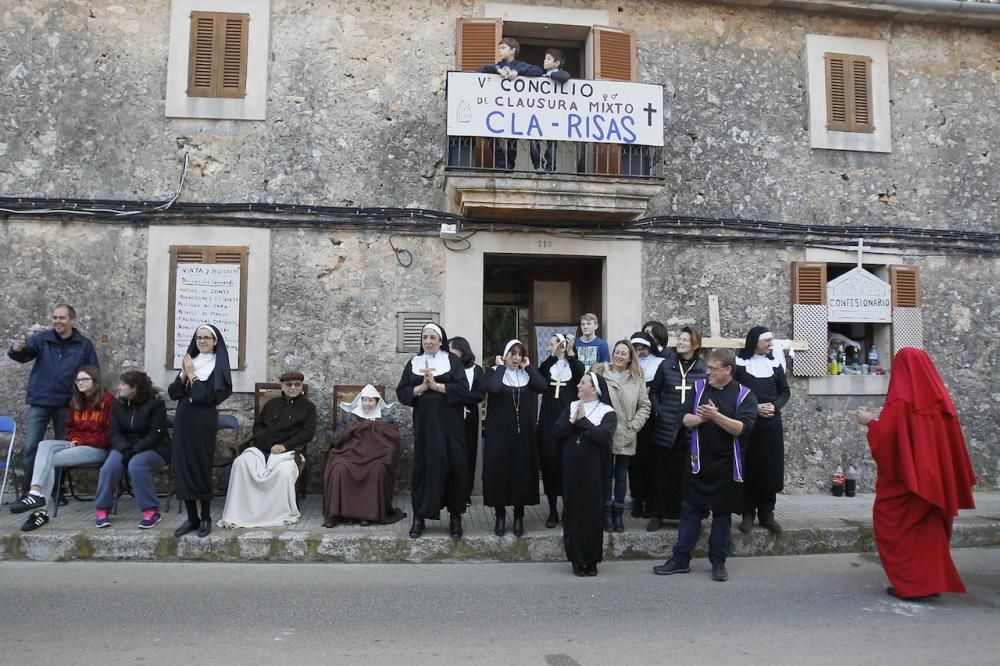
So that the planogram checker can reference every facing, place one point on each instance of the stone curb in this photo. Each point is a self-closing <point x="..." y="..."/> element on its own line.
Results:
<point x="323" y="546"/>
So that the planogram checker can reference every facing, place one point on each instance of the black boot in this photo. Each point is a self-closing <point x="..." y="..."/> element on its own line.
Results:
<point x="618" y="522"/>
<point x="456" y="525"/>
<point x="637" y="508"/>
<point x="417" y="528"/>
<point x="746" y="525"/>
<point x="500" y="527"/>
<point x="608" y="526"/>
<point x="553" y="518"/>
<point x="518" y="521"/>
<point x="770" y="524"/>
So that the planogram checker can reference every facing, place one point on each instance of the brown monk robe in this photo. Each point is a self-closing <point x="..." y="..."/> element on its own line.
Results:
<point x="361" y="466"/>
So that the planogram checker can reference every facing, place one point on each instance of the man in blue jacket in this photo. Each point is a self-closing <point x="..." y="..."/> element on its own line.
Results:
<point x="508" y="67"/>
<point x="58" y="355"/>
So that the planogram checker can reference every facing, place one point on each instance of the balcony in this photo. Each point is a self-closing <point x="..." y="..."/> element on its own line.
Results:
<point x="595" y="152"/>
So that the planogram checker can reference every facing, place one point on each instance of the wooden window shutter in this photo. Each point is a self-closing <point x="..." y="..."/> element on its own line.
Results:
<point x="848" y="93"/>
<point x="615" y="54"/>
<point x="217" y="56"/>
<point x="905" y="282"/>
<point x="208" y="254"/>
<point x="808" y="283"/>
<point x="476" y="43"/>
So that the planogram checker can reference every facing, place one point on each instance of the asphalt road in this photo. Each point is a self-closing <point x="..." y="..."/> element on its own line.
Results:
<point x="805" y="610"/>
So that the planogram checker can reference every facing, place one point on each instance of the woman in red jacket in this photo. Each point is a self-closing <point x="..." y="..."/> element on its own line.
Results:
<point x="87" y="442"/>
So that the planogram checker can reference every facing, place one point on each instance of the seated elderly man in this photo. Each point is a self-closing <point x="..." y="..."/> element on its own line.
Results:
<point x="361" y="465"/>
<point x="262" y="481"/>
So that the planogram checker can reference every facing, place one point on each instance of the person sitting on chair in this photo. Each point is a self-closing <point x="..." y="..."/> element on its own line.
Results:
<point x="361" y="465"/>
<point x="262" y="481"/>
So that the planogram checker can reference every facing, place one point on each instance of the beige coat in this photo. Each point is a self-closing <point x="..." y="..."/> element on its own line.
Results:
<point x="631" y="402"/>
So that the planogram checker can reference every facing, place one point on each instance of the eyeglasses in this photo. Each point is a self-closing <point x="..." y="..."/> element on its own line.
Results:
<point x="204" y="338"/>
<point x="714" y="368"/>
<point x="84" y="380"/>
<point x="292" y="384"/>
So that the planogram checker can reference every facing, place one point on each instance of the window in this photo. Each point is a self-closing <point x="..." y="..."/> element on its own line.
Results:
<point x="217" y="59"/>
<point x="810" y="280"/>
<point x="608" y="53"/>
<point x="848" y="93"/>
<point x="848" y="82"/>
<point x="210" y="287"/>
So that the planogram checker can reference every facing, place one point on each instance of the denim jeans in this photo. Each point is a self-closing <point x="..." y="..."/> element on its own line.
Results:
<point x="140" y="470"/>
<point x="690" y="528"/>
<point x="617" y="482"/>
<point x="54" y="453"/>
<point x="38" y="421"/>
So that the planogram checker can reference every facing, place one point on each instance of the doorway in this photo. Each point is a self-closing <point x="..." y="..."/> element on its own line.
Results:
<point x="530" y="297"/>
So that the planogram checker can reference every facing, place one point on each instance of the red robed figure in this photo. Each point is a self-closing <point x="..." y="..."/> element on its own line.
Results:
<point x="924" y="478"/>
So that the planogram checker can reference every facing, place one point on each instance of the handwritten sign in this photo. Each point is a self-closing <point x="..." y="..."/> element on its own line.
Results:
<point x="540" y="108"/>
<point x="207" y="294"/>
<point x="859" y="296"/>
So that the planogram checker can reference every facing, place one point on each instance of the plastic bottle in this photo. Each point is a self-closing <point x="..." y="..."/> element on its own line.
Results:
<point x="834" y="367"/>
<point x="838" y="482"/>
<point x="851" y="482"/>
<point x="872" y="359"/>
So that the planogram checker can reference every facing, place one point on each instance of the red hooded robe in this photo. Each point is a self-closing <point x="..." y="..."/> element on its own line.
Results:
<point x="924" y="478"/>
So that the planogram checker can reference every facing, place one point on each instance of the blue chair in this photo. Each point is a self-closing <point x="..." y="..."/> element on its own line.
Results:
<point x="8" y="426"/>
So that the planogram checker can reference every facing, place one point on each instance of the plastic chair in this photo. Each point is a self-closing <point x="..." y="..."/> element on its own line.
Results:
<point x="72" y="490"/>
<point x="7" y="425"/>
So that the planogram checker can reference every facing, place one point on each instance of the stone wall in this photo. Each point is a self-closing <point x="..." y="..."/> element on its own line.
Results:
<point x="356" y="118"/>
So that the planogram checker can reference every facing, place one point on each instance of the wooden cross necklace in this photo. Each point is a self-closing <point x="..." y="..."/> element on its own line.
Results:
<point x="684" y="387"/>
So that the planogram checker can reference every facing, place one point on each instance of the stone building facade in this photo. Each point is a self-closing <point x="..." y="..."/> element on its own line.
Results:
<point x="338" y="170"/>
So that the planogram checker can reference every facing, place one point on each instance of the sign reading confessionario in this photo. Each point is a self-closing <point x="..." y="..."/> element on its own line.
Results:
<point x="539" y="108"/>
<point x="859" y="296"/>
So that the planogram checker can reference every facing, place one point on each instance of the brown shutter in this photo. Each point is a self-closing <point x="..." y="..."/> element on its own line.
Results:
<point x="848" y="93"/>
<point x="232" y="72"/>
<point x="808" y="283"/>
<point x="614" y="59"/>
<point x="905" y="282"/>
<point x="614" y="54"/>
<point x="217" y="56"/>
<point x="201" y="54"/>
<point x="208" y="254"/>
<point x="476" y="43"/>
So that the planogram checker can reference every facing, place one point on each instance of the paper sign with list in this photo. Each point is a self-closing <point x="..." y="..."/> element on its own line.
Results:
<point x="207" y="294"/>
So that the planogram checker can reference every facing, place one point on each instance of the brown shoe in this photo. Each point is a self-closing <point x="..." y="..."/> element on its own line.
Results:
<point x="746" y="525"/>
<point x="770" y="524"/>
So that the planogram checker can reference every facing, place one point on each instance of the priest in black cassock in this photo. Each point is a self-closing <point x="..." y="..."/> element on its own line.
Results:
<point x="563" y="370"/>
<point x="757" y="369"/>
<point x="720" y="413"/>
<point x="510" y="457"/>
<point x="586" y="430"/>
<point x="434" y="385"/>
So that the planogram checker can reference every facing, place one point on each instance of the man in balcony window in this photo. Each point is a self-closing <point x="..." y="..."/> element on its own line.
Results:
<point x="508" y="67"/>
<point x="553" y="66"/>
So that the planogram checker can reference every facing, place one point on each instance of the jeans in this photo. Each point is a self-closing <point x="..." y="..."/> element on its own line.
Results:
<point x="690" y="528"/>
<point x="619" y="477"/>
<point x="54" y="453"/>
<point x="540" y="161"/>
<point x="38" y="421"/>
<point x="141" y="467"/>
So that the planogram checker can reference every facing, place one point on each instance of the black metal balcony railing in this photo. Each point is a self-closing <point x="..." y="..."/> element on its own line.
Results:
<point x="479" y="154"/>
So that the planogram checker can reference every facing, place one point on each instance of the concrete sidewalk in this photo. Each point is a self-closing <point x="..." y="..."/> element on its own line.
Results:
<point x="812" y="523"/>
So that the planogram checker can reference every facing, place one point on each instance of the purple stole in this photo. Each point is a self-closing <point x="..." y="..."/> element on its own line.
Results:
<point x="699" y="390"/>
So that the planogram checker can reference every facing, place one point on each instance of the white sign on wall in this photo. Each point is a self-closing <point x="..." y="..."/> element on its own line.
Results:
<point x="207" y="294"/>
<point x="859" y="296"/>
<point x="542" y="109"/>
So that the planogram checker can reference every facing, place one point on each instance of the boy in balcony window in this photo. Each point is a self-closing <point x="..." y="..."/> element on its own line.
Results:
<point x="508" y="67"/>
<point x="553" y="66"/>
